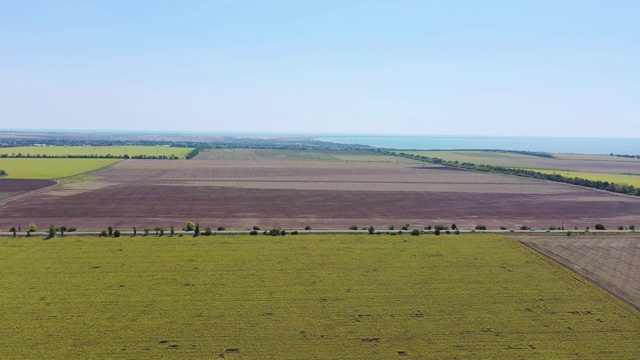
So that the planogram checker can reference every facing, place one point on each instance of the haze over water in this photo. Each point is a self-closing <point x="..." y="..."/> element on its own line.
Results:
<point x="546" y="144"/>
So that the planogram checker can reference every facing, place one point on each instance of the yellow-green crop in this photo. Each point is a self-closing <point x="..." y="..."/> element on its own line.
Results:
<point x="302" y="297"/>
<point x="32" y="168"/>
<point x="615" y="178"/>
<point x="116" y="151"/>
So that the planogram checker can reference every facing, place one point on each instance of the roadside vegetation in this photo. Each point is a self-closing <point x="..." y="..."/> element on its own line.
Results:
<point x="96" y="152"/>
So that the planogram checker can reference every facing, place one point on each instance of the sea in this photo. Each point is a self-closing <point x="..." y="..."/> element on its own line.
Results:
<point x="573" y="145"/>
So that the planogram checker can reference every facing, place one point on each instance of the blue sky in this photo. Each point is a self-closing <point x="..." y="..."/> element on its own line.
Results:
<point x="559" y="68"/>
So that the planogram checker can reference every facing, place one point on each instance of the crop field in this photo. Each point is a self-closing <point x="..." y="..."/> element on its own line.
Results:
<point x="616" y="178"/>
<point x="613" y="261"/>
<point x="562" y="162"/>
<point x="322" y="194"/>
<point x="328" y="297"/>
<point x="32" y="168"/>
<point x="13" y="187"/>
<point x="117" y="151"/>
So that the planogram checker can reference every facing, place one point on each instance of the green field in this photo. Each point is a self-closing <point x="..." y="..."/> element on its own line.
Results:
<point x="616" y="178"/>
<point x="117" y="151"/>
<point x="22" y="168"/>
<point x="302" y="297"/>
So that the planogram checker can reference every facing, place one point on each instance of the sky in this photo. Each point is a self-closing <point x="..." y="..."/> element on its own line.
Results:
<point x="505" y="68"/>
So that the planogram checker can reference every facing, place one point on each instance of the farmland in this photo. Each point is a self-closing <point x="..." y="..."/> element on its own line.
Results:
<point x="346" y="297"/>
<point x="561" y="162"/>
<point x="98" y="151"/>
<point x="13" y="187"/>
<point x="613" y="262"/>
<point x="616" y="178"/>
<point x="360" y="189"/>
<point x="33" y="168"/>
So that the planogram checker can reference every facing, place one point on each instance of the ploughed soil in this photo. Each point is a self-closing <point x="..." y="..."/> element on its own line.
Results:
<point x="292" y="194"/>
<point x="611" y="262"/>
<point x="13" y="187"/>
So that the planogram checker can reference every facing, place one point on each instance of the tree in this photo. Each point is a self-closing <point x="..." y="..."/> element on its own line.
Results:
<point x="110" y="230"/>
<point x="371" y="230"/>
<point x="632" y="227"/>
<point x="172" y="230"/>
<point x="481" y="227"/>
<point x="600" y="227"/>
<point x="190" y="226"/>
<point x="391" y="227"/>
<point x="454" y="227"/>
<point x="405" y="227"/>
<point x="52" y="232"/>
<point x="437" y="232"/>
<point x="134" y="231"/>
<point x="13" y="230"/>
<point x="196" y="231"/>
<point x="353" y="227"/>
<point x="116" y="233"/>
<point x="32" y="228"/>
<point x="307" y="227"/>
<point x="62" y="230"/>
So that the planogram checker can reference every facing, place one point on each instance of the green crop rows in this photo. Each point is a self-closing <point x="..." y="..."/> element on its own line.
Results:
<point x="297" y="297"/>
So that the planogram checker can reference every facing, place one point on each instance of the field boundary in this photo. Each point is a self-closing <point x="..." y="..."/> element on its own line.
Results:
<point x="587" y="275"/>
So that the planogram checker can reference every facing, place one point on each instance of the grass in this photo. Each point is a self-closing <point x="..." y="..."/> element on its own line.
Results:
<point x="616" y="178"/>
<point x="97" y="150"/>
<point x="22" y="168"/>
<point x="331" y="296"/>
<point x="479" y="157"/>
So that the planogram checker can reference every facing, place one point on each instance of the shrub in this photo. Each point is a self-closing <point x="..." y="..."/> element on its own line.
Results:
<point x="503" y="228"/>
<point x="437" y="232"/>
<point x="632" y="227"/>
<point x="524" y="227"/>
<point x="71" y="229"/>
<point x="391" y="227"/>
<point x="103" y="233"/>
<point x="371" y="230"/>
<point x="283" y="232"/>
<point x="454" y="226"/>
<point x="481" y="227"/>
<point x="52" y="232"/>
<point x="207" y="231"/>
<point x="221" y="228"/>
<point x="415" y="232"/>
<point x="295" y="232"/>
<point x="568" y="233"/>
<point x="274" y="232"/>
<point x="447" y="232"/>
<point x="190" y="226"/>
<point x="116" y="233"/>
<point x="146" y="232"/>
<point x="457" y="232"/>
<point x="253" y="232"/>
<point x="405" y="227"/>
<point x="620" y="227"/>
<point x="552" y="228"/>
<point x="439" y="227"/>
<point x="600" y="227"/>
<point x="307" y="227"/>
<point x="256" y="228"/>
<point x="427" y="227"/>
<point x="353" y="227"/>
<point x="110" y="230"/>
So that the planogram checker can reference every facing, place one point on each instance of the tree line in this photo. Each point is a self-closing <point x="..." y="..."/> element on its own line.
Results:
<point x="595" y="184"/>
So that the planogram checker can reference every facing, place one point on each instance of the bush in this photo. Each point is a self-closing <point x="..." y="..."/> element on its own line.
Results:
<point x="447" y="232"/>
<point x="353" y="227"/>
<point x="256" y="228"/>
<point x="437" y="232"/>
<point x="116" y="233"/>
<point x="283" y="232"/>
<point x="253" y="232"/>
<point x="457" y="232"/>
<point x="103" y="233"/>
<point x="600" y="227"/>
<point x="439" y="227"/>
<point x="391" y="227"/>
<point x="632" y="227"/>
<point x="405" y="227"/>
<point x="110" y="230"/>
<point x="220" y="228"/>
<point x="568" y="233"/>
<point x="146" y="232"/>
<point x="524" y="227"/>
<point x="415" y="232"/>
<point x="503" y="228"/>
<point x="190" y="226"/>
<point x="454" y="226"/>
<point x="72" y="229"/>
<point x="552" y="228"/>
<point x="207" y="232"/>
<point x="307" y="227"/>
<point x="274" y="232"/>
<point x="427" y="227"/>
<point x="620" y="227"/>
<point x="295" y="232"/>
<point x="371" y="230"/>
<point x="481" y="227"/>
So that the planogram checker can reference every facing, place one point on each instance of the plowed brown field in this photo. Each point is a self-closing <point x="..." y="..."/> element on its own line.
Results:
<point x="612" y="262"/>
<point x="13" y="187"/>
<point x="323" y="194"/>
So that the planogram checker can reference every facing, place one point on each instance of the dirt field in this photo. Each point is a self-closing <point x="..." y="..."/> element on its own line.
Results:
<point x="612" y="262"/>
<point x="323" y="194"/>
<point x="13" y="187"/>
